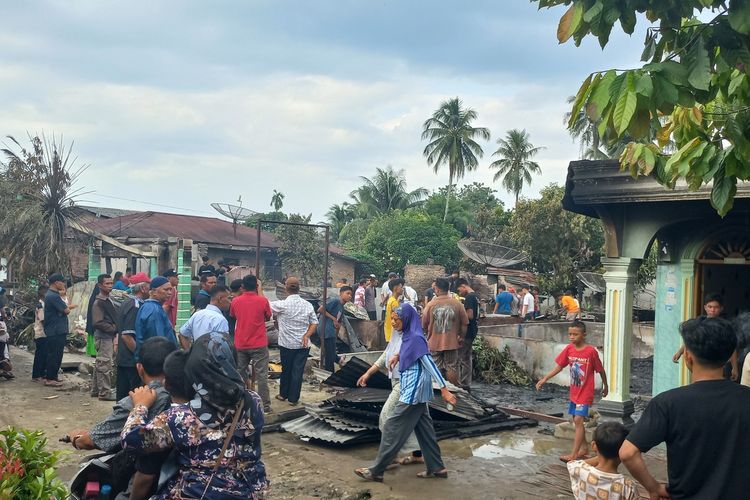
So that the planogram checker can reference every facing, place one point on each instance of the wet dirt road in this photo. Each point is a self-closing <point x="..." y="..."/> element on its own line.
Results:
<point x="494" y="466"/>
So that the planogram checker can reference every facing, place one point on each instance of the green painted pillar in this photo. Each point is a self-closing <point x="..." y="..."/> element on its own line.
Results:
<point x="183" y="289"/>
<point x="95" y="262"/>
<point x="153" y="267"/>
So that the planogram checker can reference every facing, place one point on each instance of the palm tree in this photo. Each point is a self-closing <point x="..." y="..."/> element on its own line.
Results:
<point x="452" y="141"/>
<point x="385" y="192"/>
<point x="277" y="200"/>
<point x="515" y="165"/>
<point x="37" y="209"/>
<point x="338" y="216"/>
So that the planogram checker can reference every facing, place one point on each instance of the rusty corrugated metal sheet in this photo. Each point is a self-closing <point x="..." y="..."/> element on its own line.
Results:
<point x="199" y="229"/>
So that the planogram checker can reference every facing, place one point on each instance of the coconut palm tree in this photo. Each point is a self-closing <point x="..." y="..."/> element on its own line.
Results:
<point x="515" y="165"/>
<point x="385" y="192"/>
<point x="338" y="216"/>
<point x="452" y="142"/>
<point x="277" y="200"/>
<point x="37" y="193"/>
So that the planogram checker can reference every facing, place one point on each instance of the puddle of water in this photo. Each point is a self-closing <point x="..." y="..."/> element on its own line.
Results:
<point x="513" y="444"/>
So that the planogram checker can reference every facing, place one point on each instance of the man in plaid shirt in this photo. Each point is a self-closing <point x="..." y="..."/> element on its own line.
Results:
<point x="297" y="322"/>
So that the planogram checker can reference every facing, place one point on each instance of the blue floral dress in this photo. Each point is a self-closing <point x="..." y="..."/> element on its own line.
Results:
<point x="241" y="474"/>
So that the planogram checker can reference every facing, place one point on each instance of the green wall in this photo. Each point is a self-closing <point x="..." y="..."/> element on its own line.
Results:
<point x="669" y="313"/>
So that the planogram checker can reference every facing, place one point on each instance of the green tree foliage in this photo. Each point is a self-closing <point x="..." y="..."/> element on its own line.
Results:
<point x="514" y="164"/>
<point x="268" y="216"/>
<point x="469" y="211"/>
<point x="338" y="216"/>
<point x="37" y="193"/>
<point x="558" y="243"/>
<point x="693" y="90"/>
<point x="384" y="192"/>
<point x="302" y="250"/>
<point x="452" y="142"/>
<point x="411" y="237"/>
<point x="277" y="200"/>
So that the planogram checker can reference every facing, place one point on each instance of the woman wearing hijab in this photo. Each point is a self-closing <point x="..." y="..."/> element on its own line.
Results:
<point x="411" y="413"/>
<point x="411" y="446"/>
<point x="216" y="435"/>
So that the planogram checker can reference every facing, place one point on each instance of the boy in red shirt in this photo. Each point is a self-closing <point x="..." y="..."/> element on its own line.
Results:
<point x="583" y="360"/>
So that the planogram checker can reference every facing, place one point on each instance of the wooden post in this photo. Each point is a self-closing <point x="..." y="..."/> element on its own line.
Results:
<point x="257" y="253"/>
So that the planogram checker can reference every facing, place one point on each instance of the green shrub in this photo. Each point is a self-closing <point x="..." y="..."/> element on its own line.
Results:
<point x="27" y="470"/>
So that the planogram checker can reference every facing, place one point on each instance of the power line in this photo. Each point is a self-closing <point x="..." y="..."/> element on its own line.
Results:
<point x="152" y="204"/>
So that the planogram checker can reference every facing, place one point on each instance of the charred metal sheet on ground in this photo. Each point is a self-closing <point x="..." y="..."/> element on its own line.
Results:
<point x="348" y="375"/>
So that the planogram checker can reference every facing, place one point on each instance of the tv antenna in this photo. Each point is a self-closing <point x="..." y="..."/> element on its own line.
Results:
<point x="234" y="212"/>
<point x="491" y="254"/>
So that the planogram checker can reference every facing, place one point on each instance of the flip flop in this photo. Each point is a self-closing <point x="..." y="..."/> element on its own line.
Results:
<point x="367" y="475"/>
<point x="443" y="474"/>
<point x="53" y="383"/>
<point x="280" y="397"/>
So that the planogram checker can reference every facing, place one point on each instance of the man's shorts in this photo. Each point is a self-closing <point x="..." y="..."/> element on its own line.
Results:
<point x="578" y="410"/>
<point x="447" y="361"/>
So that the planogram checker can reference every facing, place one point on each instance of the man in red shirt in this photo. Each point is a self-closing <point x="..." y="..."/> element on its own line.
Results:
<point x="252" y="310"/>
<point x="583" y="361"/>
<point x="170" y="306"/>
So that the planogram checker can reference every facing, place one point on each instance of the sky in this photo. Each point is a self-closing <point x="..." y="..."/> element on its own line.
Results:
<point x="174" y="105"/>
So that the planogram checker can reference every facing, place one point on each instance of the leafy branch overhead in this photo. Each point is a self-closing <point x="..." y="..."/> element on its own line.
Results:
<point x="693" y="91"/>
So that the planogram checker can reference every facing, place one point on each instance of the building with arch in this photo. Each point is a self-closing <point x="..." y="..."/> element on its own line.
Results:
<point x="699" y="253"/>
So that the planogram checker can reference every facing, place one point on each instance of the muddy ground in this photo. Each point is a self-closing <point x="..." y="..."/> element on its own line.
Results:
<point x="498" y="465"/>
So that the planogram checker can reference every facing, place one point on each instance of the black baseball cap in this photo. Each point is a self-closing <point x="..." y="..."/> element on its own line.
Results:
<point x="169" y="273"/>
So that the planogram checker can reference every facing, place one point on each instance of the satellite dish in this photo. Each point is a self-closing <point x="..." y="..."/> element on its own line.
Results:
<point x="594" y="281"/>
<point x="491" y="254"/>
<point x="234" y="212"/>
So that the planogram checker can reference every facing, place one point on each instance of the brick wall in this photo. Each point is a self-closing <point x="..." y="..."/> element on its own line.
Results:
<point x="341" y="268"/>
<point x="421" y="277"/>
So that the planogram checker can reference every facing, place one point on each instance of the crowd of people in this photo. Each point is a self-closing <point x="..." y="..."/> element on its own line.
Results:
<point x="190" y="402"/>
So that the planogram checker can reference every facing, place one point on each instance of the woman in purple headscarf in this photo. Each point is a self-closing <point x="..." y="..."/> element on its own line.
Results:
<point x="411" y="413"/>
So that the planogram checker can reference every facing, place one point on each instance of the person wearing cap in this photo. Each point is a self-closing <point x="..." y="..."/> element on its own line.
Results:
<point x="104" y="316"/>
<point x="152" y="320"/>
<point x="170" y="306"/>
<point x="127" y="373"/>
<point x="297" y="323"/>
<point x="55" y="328"/>
<point x="207" y="267"/>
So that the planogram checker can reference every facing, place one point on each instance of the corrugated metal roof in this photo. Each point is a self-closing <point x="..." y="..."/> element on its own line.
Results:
<point x="348" y="375"/>
<point x="200" y="229"/>
<point x="160" y="225"/>
<point x="311" y="428"/>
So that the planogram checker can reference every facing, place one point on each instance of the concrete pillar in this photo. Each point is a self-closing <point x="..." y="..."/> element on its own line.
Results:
<point x="687" y="274"/>
<point x="619" y="276"/>
<point x="183" y="288"/>
<point x="153" y="267"/>
<point x="95" y="260"/>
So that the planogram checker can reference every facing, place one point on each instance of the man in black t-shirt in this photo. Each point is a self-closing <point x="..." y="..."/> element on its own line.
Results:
<point x="705" y="424"/>
<point x="471" y="304"/>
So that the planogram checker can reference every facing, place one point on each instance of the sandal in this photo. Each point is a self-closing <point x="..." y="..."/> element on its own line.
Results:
<point x="366" y="474"/>
<point x="410" y="460"/>
<point x="280" y="397"/>
<point x="53" y="383"/>
<point x="442" y="474"/>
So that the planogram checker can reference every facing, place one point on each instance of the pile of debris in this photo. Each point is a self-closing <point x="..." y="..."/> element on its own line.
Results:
<point x="351" y="416"/>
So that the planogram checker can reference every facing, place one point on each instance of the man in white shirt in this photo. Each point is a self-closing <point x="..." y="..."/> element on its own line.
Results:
<point x="527" y="304"/>
<point x="210" y="319"/>
<point x="410" y="296"/>
<point x="297" y="322"/>
<point x="385" y="294"/>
